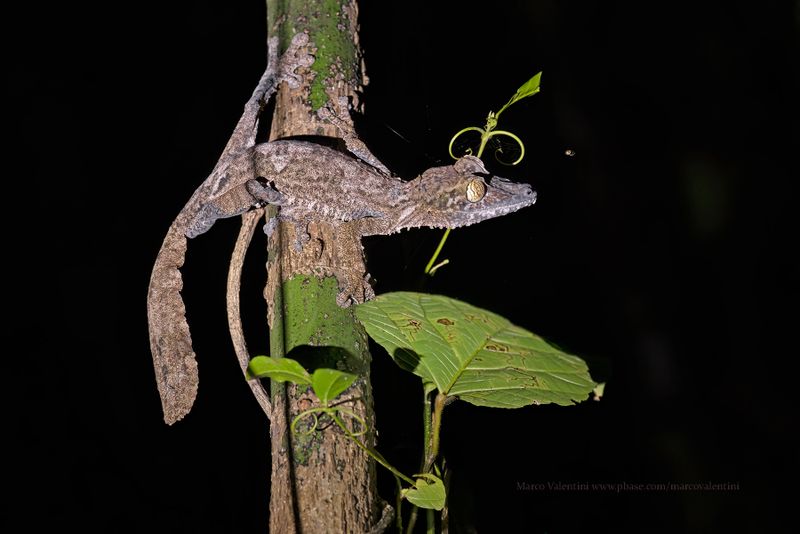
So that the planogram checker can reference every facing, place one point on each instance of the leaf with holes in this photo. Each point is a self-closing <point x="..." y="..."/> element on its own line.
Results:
<point x="473" y="354"/>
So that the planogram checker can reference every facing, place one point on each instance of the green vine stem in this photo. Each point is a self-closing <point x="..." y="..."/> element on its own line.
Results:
<point x="333" y="413"/>
<point x="469" y="150"/>
<point x="529" y="88"/>
<point x="427" y="413"/>
<point x="330" y="412"/>
<point x="485" y="136"/>
<point x="398" y="505"/>
<point x="378" y="457"/>
<point x="431" y="268"/>
<point x="431" y="519"/>
<point x="432" y="428"/>
<point x="412" y="520"/>
<point x="515" y="138"/>
<point x="436" y="423"/>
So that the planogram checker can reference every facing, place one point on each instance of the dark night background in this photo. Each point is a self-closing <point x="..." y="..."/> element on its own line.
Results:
<point x="662" y="252"/>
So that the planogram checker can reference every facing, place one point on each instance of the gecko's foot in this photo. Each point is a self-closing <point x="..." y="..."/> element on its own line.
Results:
<point x="294" y="57"/>
<point x="369" y="292"/>
<point x="298" y="245"/>
<point x="344" y="299"/>
<point x="301" y="239"/>
<point x="355" y="293"/>
<point x="204" y="220"/>
<point x="270" y="226"/>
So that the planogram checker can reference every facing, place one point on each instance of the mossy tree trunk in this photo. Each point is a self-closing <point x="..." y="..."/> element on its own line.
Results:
<point x="321" y="482"/>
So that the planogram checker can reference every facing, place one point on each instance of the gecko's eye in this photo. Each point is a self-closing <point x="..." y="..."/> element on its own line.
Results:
<point x="476" y="190"/>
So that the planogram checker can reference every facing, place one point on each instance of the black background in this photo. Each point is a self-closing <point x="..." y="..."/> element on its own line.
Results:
<point x="661" y="252"/>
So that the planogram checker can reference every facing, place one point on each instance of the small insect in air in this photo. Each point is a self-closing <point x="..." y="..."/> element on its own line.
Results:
<point x="569" y="152"/>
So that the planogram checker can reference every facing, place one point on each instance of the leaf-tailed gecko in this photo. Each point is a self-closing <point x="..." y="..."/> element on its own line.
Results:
<point x="309" y="182"/>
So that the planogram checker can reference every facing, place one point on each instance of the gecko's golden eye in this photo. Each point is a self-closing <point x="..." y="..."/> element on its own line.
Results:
<point x="476" y="189"/>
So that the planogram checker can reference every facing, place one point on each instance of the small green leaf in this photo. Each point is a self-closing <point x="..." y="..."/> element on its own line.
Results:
<point x="280" y="369"/>
<point x="329" y="383"/>
<point x="529" y="88"/>
<point x="428" y="493"/>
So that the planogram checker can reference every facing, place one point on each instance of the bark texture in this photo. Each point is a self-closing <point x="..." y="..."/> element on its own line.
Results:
<point x="321" y="482"/>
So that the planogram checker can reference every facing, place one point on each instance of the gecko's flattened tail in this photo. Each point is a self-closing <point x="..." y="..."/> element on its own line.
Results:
<point x="170" y="339"/>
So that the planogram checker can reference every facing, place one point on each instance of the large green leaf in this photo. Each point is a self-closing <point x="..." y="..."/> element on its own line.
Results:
<point x="472" y="353"/>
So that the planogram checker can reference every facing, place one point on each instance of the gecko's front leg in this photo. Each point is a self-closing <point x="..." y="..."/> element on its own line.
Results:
<point x="349" y="267"/>
<point x="253" y="193"/>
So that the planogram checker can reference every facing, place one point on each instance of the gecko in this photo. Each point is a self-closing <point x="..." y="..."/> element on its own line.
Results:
<point x="309" y="182"/>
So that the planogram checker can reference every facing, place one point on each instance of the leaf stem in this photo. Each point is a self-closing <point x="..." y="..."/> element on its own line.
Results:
<point x="440" y="264"/>
<point x="485" y="136"/>
<point x="433" y="424"/>
<point x="412" y="520"/>
<point x="427" y="413"/>
<point x="436" y="422"/>
<point x="426" y="428"/>
<point x="436" y="253"/>
<point x="398" y="506"/>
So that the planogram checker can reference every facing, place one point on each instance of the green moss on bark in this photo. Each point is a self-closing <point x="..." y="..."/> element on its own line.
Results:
<point x="314" y="322"/>
<point x="327" y="23"/>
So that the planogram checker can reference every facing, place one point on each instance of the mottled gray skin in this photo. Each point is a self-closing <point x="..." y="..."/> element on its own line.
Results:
<point x="313" y="182"/>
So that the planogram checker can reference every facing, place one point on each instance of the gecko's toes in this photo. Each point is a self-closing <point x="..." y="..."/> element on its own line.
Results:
<point x="270" y="226"/>
<point x="355" y="293"/>
<point x="345" y="299"/>
<point x="300" y="39"/>
<point x="295" y="57"/>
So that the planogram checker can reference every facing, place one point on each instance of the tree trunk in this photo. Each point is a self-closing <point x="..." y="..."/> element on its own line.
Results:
<point x="321" y="482"/>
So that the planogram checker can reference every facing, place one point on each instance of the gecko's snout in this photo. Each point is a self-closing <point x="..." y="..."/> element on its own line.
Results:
<point x="519" y="190"/>
<point x="527" y="193"/>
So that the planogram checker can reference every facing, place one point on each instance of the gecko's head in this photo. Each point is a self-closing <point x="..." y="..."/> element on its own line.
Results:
<point x="463" y="194"/>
